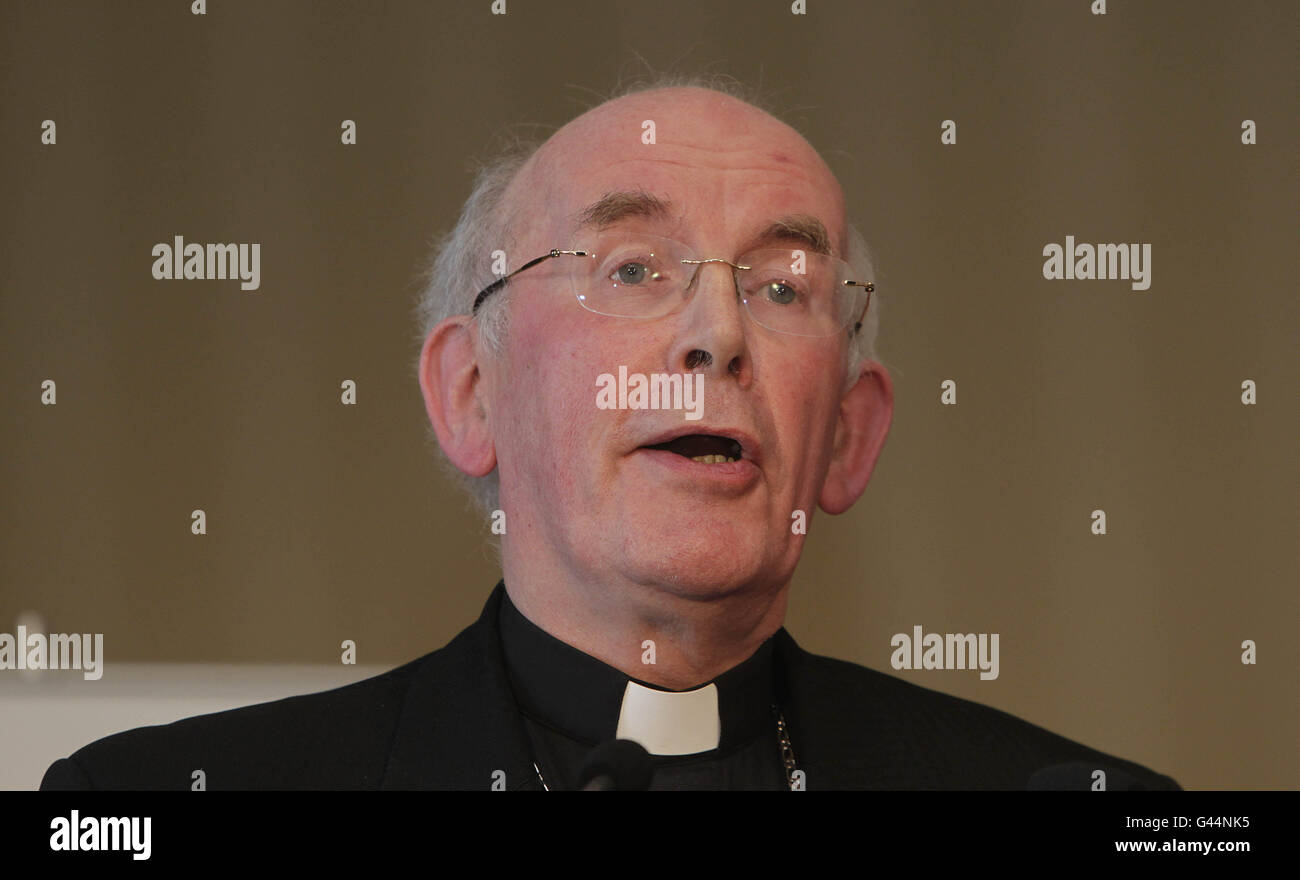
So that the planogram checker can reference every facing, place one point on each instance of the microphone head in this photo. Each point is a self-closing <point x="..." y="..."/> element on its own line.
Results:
<point x="616" y="765"/>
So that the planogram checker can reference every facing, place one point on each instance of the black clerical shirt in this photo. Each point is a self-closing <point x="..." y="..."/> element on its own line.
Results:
<point x="459" y="719"/>
<point x="571" y="702"/>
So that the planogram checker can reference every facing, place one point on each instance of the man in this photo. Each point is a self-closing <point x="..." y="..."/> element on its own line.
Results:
<point x="685" y="237"/>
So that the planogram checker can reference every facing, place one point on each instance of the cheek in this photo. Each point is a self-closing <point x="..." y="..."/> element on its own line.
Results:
<point x="804" y="411"/>
<point x="548" y="409"/>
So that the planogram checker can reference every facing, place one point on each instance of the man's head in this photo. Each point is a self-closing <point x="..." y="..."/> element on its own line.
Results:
<point x="585" y="498"/>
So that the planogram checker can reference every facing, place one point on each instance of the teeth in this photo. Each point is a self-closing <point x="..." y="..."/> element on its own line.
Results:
<point x="712" y="459"/>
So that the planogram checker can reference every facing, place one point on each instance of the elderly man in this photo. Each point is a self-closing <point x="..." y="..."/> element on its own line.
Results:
<point x="670" y="371"/>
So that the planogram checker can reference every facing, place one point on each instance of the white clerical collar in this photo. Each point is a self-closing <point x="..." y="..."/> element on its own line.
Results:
<point x="671" y="722"/>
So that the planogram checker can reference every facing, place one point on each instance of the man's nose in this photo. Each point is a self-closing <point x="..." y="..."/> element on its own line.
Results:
<point x="711" y="328"/>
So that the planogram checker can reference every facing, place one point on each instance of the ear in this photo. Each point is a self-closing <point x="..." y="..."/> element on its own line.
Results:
<point x="449" y="380"/>
<point x="866" y="412"/>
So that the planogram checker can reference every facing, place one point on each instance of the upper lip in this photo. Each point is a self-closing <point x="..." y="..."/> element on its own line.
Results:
<point x="749" y="447"/>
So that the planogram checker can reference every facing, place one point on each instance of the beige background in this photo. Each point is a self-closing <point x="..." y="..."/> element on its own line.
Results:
<point x="329" y="522"/>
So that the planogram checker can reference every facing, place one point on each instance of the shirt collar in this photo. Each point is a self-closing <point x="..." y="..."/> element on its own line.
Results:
<point x="592" y="701"/>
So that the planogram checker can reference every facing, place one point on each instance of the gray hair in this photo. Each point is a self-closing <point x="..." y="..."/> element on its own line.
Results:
<point x="460" y="265"/>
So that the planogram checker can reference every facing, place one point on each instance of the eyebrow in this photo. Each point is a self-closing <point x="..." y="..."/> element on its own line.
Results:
<point x="799" y="227"/>
<point x="614" y="207"/>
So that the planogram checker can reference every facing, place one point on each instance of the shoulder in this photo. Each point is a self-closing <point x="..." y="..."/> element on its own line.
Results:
<point x="333" y="739"/>
<point x="883" y="731"/>
<point x="393" y="730"/>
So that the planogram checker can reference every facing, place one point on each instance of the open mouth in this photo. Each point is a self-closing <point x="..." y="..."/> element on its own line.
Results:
<point x="704" y="448"/>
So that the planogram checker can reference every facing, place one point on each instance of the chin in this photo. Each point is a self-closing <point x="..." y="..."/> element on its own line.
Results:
<point x="691" y="563"/>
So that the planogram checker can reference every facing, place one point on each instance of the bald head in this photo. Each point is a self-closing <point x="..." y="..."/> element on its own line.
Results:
<point x="696" y="153"/>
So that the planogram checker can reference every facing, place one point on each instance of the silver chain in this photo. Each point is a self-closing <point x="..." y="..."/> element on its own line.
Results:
<point x="787" y="750"/>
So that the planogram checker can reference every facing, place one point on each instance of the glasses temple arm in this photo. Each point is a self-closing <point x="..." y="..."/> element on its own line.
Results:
<point x="501" y="282"/>
<point x="870" y="287"/>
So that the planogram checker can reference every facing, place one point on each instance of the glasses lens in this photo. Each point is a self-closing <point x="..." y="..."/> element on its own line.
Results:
<point x="632" y="276"/>
<point x="794" y="291"/>
<point x="788" y="291"/>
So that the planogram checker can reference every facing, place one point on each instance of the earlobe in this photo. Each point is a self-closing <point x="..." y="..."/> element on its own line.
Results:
<point x="866" y="412"/>
<point x="450" y="383"/>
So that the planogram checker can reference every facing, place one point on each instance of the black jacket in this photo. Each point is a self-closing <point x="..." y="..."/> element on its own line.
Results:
<point x="448" y="721"/>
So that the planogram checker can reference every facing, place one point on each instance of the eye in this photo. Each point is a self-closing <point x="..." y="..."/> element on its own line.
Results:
<point x="631" y="272"/>
<point x="779" y="292"/>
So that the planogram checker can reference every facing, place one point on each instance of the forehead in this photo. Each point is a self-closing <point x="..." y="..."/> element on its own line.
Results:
<point x="726" y="168"/>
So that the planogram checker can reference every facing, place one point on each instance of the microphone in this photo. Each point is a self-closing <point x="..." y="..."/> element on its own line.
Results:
<point x="616" y="765"/>
<point x="1078" y="776"/>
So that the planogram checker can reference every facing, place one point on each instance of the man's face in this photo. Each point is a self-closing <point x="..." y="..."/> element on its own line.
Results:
<point x="579" y="479"/>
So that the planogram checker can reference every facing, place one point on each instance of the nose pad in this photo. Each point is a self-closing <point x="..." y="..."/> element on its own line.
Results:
<point x="692" y="286"/>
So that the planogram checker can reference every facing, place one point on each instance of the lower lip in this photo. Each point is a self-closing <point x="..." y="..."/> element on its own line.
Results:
<point x="733" y="475"/>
